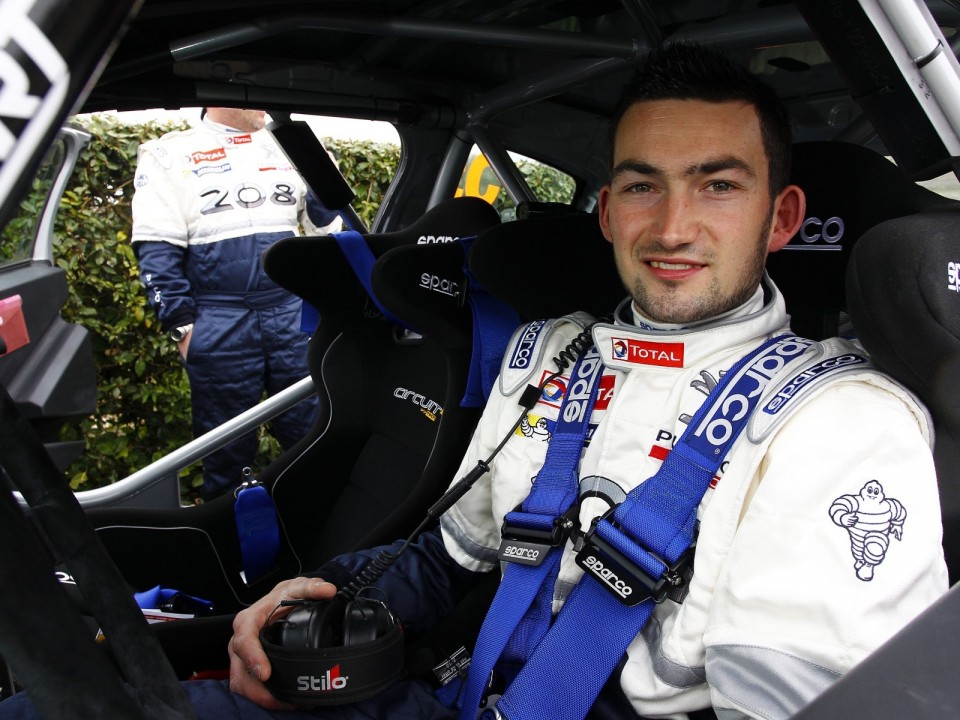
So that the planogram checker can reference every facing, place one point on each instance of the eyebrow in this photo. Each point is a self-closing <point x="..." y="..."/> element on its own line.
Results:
<point x="708" y="167"/>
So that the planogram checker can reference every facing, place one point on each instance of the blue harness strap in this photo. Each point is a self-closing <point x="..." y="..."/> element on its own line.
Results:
<point x="633" y="554"/>
<point x="493" y="324"/>
<point x="361" y="260"/>
<point x="258" y="529"/>
<point x="533" y="540"/>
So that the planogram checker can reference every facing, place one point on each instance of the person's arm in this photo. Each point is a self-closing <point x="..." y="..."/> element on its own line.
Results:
<point x="422" y="586"/>
<point x="317" y="218"/>
<point x="160" y="240"/>
<point x="839" y="548"/>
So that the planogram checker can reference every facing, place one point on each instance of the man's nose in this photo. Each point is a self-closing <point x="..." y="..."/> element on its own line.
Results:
<point x="676" y="224"/>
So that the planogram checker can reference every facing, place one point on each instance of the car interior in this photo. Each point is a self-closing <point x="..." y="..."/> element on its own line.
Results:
<point x="410" y="332"/>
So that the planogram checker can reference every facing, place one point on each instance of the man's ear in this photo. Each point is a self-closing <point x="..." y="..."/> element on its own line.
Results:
<point x="789" y="210"/>
<point x="603" y="212"/>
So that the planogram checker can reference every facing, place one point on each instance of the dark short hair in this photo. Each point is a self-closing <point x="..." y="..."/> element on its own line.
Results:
<point x="685" y="71"/>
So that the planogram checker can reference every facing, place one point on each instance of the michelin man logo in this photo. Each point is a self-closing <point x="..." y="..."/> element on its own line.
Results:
<point x="870" y="519"/>
<point x="538" y="430"/>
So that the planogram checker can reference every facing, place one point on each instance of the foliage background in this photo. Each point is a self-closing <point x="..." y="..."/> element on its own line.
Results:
<point x="143" y="407"/>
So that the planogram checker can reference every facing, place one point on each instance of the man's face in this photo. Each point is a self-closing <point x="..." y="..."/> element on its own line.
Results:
<point x="689" y="210"/>
<point x="243" y="120"/>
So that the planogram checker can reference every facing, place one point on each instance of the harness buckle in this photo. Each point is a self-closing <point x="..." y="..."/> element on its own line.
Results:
<point x="529" y="545"/>
<point x="622" y="577"/>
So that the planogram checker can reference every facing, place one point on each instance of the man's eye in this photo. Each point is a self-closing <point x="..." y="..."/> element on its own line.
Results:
<point x="721" y="186"/>
<point x="638" y="188"/>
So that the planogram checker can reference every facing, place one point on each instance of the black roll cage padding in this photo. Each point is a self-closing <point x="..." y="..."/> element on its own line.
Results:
<point x="59" y="651"/>
<point x="317" y="168"/>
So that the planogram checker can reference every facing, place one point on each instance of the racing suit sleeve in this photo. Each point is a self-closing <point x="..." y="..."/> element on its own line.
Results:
<point x="317" y="219"/>
<point x="838" y="548"/>
<point x="160" y="240"/>
<point x="422" y="587"/>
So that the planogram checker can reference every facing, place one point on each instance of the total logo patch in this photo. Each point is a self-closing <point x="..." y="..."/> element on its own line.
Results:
<point x="245" y="139"/>
<point x="202" y="156"/>
<point x="643" y="352"/>
<point x="553" y="392"/>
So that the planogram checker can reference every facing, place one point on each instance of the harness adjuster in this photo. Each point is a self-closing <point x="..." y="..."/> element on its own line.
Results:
<point x="622" y="577"/>
<point x="527" y="545"/>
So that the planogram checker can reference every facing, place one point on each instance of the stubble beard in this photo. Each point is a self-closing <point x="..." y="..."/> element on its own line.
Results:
<point x="669" y="306"/>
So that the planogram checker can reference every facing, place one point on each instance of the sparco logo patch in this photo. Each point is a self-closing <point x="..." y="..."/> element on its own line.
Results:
<point x="435" y="239"/>
<point x="201" y="156"/>
<point x="953" y="276"/>
<point x="607" y="576"/>
<point x="741" y="396"/>
<point x="581" y="385"/>
<point x="788" y="391"/>
<point x="331" y="680"/>
<point x="523" y="351"/>
<point x="429" y="281"/>
<point x="820" y="235"/>
<point x="642" y="352"/>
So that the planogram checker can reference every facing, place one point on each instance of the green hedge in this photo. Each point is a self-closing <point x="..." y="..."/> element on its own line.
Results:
<point x="143" y="407"/>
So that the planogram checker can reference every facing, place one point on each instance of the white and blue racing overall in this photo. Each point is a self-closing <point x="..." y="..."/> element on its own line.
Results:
<point x="209" y="200"/>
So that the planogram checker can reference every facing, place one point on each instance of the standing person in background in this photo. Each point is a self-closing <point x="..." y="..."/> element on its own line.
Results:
<point x="208" y="202"/>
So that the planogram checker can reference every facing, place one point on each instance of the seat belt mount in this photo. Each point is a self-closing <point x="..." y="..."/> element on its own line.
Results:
<point x="621" y="576"/>
<point x="525" y="543"/>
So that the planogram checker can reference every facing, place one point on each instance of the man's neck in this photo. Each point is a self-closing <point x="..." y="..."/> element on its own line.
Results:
<point x="752" y="305"/>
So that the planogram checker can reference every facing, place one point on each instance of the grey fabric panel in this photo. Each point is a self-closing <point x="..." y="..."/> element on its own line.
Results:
<point x="769" y="683"/>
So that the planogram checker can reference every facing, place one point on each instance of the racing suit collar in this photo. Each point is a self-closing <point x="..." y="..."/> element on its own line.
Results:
<point x="624" y="345"/>
<point x="221" y="128"/>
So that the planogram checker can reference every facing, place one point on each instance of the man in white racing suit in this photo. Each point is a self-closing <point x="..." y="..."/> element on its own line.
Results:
<point x="779" y="605"/>
<point x="832" y="472"/>
<point x="209" y="201"/>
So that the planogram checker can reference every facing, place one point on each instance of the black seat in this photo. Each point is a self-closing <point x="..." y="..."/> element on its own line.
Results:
<point x="394" y="431"/>
<point x="388" y="437"/>
<point x="849" y="189"/>
<point x="903" y="290"/>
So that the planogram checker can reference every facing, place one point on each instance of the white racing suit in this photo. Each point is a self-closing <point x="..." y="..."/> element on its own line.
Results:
<point x="209" y="202"/>
<point x="819" y="538"/>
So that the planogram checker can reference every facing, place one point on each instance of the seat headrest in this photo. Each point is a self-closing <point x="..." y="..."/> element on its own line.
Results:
<point x="849" y="189"/>
<point x="903" y="292"/>
<point x="548" y="266"/>
<point x="426" y="285"/>
<point x="315" y="268"/>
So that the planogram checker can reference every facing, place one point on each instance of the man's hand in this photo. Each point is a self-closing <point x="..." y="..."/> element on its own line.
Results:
<point x="249" y="666"/>
<point x="184" y="345"/>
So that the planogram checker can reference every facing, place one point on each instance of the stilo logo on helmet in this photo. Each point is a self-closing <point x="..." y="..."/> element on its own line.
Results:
<point x="332" y="652"/>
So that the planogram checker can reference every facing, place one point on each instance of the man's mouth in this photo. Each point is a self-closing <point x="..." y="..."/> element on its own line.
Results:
<point x="662" y="265"/>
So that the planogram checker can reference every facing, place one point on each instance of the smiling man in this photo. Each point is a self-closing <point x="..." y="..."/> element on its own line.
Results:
<point x="692" y="209"/>
<point x="803" y="475"/>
